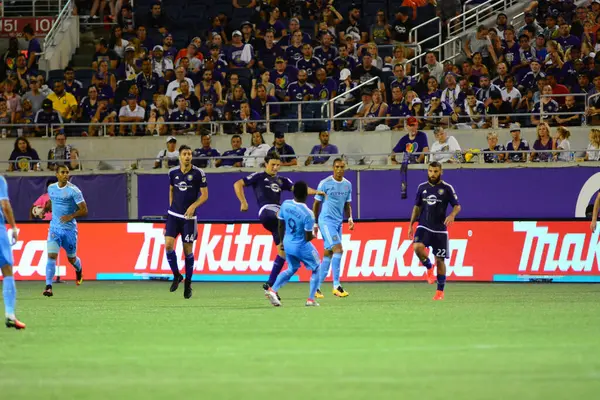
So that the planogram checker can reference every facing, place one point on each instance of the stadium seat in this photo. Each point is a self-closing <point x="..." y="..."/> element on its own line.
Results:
<point x="84" y="74"/>
<point x="56" y="75"/>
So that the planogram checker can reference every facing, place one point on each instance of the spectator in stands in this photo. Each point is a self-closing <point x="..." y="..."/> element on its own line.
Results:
<point x="323" y="148"/>
<point x="184" y="116"/>
<point x="401" y="80"/>
<point x="326" y="51"/>
<point x="451" y="95"/>
<point x="396" y="110"/>
<point x="208" y="114"/>
<point x="593" y="149"/>
<point x="375" y="112"/>
<point x="88" y="108"/>
<point x="13" y="100"/>
<point x="566" y="39"/>
<point x="501" y="25"/>
<point x="146" y="44"/>
<point x="236" y="150"/>
<point x="499" y="109"/>
<point x="557" y="88"/>
<point x="293" y="52"/>
<point x="366" y="71"/>
<point x="540" y="48"/>
<point x="6" y="118"/>
<point x="583" y="84"/>
<point x="259" y="104"/>
<point x="169" y="156"/>
<point x="345" y="60"/>
<point x="209" y="90"/>
<point x="248" y="36"/>
<point x="33" y="48"/>
<point x="445" y="148"/>
<point x="245" y="116"/>
<point x="105" y="114"/>
<point x="418" y="111"/>
<point x="72" y="85"/>
<point x="510" y="54"/>
<point x="496" y="42"/>
<point x="240" y="55"/>
<point x="116" y="42"/>
<point x="254" y="155"/>
<point x="436" y="69"/>
<point x="23" y="157"/>
<point x="437" y="113"/>
<point x="325" y="88"/>
<point x="155" y="124"/>
<point x="191" y="51"/>
<point x="472" y="114"/>
<point x="125" y="21"/>
<point x="273" y="23"/>
<point x="300" y="90"/>
<point x="179" y="77"/>
<point x="402" y="25"/>
<point x="308" y="63"/>
<point x="147" y="81"/>
<point x="63" y="102"/>
<point x="433" y="90"/>
<point x="215" y="64"/>
<point x="156" y="19"/>
<point x="570" y="106"/>
<point x="103" y="53"/>
<point x="128" y="68"/>
<point x="22" y="74"/>
<point x="547" y="104"/>
<point x="480" y="42"/>
<point x="192" y="101"/>
<point x="62" y="154"/>
<point x="414" y="141"/>
<point x="531" y="78"/>
<point x="265" y="80"/>
<point x="285" y="151"/>
<point x="562" y="143"/>
<point x="132" y="114"/>
<point x="26" y="117"/>
<point x="200" y="156"/>
<point x="492" y="139"/>
<point x="331" y="18"/>
<point x="8" y="59"/>
<point x="233" y="106"/>
<point x="269" y="52"/>
<point x="516" y="146"/>
<point x="541" y="83"/>
<point x="531" y="24"/>
<point x="487" y="90"/>
<point x="161" y="65"/>
<point x="542" y="144"/>
<point x="381" y="31"/>
<point x="353" y="26"/>
<point x="169" y="51"/>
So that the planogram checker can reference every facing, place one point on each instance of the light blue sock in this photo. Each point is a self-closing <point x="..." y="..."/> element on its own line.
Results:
<point x="77" y="264"/>
<point x="9" y="292"/>
<point x="324" y="270"/>
<point x="315" y="281"/>
<point x="50" y="270"/>
<point x="284" y="278"/>
<point x="336" y="261"/>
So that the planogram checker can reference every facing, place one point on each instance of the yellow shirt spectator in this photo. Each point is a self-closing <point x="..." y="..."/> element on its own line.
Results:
<point x="65" y="103"/>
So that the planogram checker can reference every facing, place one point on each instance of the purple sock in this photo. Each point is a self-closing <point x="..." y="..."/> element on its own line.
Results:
<point x="426" y="263"/>
<point x="277" y="266"/>
<point x="172" y="259"/>
<point x="189" y="267"/>
<point x="441" y="281"/>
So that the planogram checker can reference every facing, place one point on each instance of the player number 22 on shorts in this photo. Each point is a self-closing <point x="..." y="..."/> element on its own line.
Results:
<point x="441" y="253"/>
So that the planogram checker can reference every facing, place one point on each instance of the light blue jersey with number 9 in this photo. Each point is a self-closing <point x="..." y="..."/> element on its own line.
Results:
<point x="298" y="219"/>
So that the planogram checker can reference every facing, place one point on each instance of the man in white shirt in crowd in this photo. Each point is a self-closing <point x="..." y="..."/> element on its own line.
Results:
<point x="169" y="156"/>
<point x="445" y="147"/>
<point x="131" y="113"/>
<point x="179" y="77"/>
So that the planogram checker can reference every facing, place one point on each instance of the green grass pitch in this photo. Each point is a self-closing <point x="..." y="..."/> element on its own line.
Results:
<point x="109" y="340"/>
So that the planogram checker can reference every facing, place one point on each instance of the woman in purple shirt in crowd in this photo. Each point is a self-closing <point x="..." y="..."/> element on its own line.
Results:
<point x="543" y="142"/>
<point x="273" y="23"/>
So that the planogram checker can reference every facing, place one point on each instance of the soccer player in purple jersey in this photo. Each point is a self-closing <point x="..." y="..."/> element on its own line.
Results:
<point x="430" y="208"/>
<point x="186" y="182"/>
<point x="267" y="186"/>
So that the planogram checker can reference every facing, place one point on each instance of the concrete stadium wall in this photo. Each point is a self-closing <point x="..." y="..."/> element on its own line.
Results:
<point x="117" y="148"/>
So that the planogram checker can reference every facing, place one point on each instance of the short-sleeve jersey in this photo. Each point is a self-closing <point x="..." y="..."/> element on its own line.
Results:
<point x="338" y="194"/>
<point x="267" y="188"/>
<point x="186" y="188"/>
<point x="3" y="196"/>
<point x="434" y="200"/>
<point x="65" y="201"/>
<point x="298" y="219"/>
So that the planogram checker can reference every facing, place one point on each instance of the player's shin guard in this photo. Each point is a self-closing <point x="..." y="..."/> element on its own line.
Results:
<point x="426" y="263"/>
<point x="315" y="281"/>
<point x="9" y="292"/>
<point x="324" y="270"/>
<point x="50" y="270"/>
<point x="441" y="282"/>
<point x="283" y="278"/>
<point x="277" y="266"/>
<point x="336" y="262"/>
<point x="77" y="264"/>
<point x="172" y="259"/>
<point x="189" y="267"/>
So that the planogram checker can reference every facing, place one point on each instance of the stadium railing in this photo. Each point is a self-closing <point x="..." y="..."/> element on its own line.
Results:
<point x="49" y="57"/>
<point x="451" y="49"/>
<point x="30" y="8"/>
<point x="299" y="110"/>
<point x="413" y="34"/>
<point x="472" y="17"/>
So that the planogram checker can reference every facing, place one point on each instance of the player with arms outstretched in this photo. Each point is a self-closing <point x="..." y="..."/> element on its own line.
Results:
<point x="329" y="213"/>
<point x="267" y="186"/>
<point x="295" y="227"/>
<point x="188" y="190"/>
<point x="430" y="208"/>
<point x="67" y="204"/>
<point x="595" y="212"/>
<point x="9" y="290"/>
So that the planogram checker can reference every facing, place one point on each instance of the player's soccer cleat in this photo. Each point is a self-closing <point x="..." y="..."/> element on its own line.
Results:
<point x="439" y="295"/>
<point x="430" y="276"/>
<point x="79" y="277"/>
<point x="340" y="292"/>
<point x="311" y="303"/>
<point x="187" y="290"/>
<point x="14" y="323"/>
<point x="266" y="287"/>
<point x="176" y="281"/>
<point x="319" y="294"/>
<point x="48" y="291"/>
<point x="273" y="298"/>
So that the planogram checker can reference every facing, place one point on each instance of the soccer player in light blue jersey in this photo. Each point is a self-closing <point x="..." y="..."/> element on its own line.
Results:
<point x="9" y="290"/>
<point x="296" y="222"/>
<point x="67" y="204"/>
<point x="329" y="212"/>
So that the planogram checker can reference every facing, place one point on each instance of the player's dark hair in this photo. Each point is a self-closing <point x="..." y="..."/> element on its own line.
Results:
<point x="59" y="167"/>
<point x="184" y="147"/>
<point x="339" y="159"/>
<point x="300" y="191"/>
<point x="435" y="164"/>
<point x="272" y="155"/>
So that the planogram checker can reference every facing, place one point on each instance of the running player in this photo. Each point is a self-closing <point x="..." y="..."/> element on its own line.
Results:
<point x="595" y="212"/>
<point x="186" y="182"/>
<point x="67" y="204"/>
<point x="430" y="208"/>
<point x="296" y="230"/>
<point x="330" y="218"/>
<point x="9" y="290"/>
<point x="267" y="186"/>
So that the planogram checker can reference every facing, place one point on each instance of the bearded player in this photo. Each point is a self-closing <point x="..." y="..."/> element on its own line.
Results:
<point x="430" y="208"/>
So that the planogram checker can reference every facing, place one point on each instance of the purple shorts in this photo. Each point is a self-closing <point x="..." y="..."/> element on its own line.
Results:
<point x="438" y="241"/>
<point x="268" y="219"/>
<point x="187" y="228"/>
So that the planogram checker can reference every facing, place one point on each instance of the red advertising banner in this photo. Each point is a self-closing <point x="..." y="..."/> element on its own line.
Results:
<point x="10" y="26"/>
<point x="374" y="251"/>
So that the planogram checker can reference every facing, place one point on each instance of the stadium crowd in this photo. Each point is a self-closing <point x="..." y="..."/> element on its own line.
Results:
<point x="156" y="79"/>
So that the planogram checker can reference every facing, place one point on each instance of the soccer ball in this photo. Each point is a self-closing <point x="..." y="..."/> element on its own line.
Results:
<point x="38" y="212"/>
